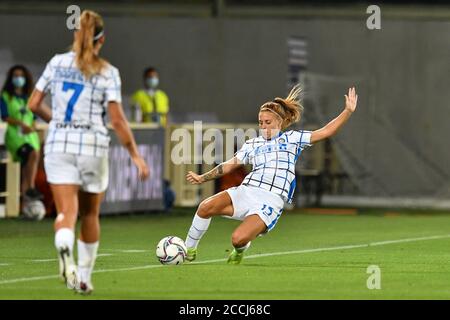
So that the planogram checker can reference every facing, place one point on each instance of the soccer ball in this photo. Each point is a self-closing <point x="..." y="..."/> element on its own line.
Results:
<point x="34" y="210"/>
<point x="171" y="250"/>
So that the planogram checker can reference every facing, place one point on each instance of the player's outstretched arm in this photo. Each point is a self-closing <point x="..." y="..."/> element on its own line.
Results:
<point x="333" y="126"/>
<point x="123" y="131"/>
<point x="220" y="170"/>
<point x="37" y="105"/>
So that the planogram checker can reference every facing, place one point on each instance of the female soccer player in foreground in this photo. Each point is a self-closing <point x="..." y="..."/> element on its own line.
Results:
<point x="259" y="200"/>
<point x="82" y="86"/>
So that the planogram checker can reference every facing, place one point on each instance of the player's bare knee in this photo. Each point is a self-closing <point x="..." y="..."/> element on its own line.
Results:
<point x="204" y="209"/>
<point x="89" y="214"/>
<point x="238" y="239"/>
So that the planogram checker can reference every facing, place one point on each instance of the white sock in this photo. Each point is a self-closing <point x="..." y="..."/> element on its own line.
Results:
<point x="64" y="237"/>
<point x="198" y="228"/>
<point x="87" y="253"/>
<point x="242" y="249"/>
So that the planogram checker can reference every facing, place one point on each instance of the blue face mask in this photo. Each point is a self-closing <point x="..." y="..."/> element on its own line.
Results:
<point x="152" y="82"/>
<point x="19" y="82"/>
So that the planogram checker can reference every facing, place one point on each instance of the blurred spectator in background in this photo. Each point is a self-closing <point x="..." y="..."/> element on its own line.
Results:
<point x="21" y="138"/>
<point x="168" y="195"/>
<point x="150" y="104"/>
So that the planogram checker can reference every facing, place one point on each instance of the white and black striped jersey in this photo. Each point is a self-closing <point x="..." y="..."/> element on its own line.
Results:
<point x="79" y="106"/>
<point x="274" y="161"/>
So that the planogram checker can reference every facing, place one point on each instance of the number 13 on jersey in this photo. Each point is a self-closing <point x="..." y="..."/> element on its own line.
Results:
<point x="77" y="88"/>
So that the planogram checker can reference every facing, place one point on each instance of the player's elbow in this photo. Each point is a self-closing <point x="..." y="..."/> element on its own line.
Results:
<point x="232" y="164"/>
<point x="35" y="100"/>
<point x="33" y="106"/>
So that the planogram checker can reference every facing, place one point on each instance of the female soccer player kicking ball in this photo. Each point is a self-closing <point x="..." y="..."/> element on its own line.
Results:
<point x="259" y="200"/>
<point x="83" y="88"/>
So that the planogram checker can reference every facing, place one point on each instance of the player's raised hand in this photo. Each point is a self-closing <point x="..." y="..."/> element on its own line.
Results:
<point x="143" y="170"/>
<point x="351" y="99"/>
<point x="194" y="178"/>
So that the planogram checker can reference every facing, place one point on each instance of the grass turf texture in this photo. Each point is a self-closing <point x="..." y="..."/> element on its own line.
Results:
<point x="409" y="270"/>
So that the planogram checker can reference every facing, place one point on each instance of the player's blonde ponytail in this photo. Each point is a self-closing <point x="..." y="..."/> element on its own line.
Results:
<point x="288" y="109"/>
<point x="90" y="30"/>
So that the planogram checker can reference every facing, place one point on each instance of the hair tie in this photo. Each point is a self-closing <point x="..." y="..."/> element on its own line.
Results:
<point x="98" y="36"/>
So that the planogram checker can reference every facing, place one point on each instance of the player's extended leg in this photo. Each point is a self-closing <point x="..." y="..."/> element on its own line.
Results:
<point x="241" y="238"/>
<point x="219" y="204"/>
<point x="66" y="201"/>
<point x="89" y="237"/>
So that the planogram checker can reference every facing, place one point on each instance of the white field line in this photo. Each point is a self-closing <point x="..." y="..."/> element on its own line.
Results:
<point x="371" y="244"/>
<point x="44" y="260"/>
<point x="354" y="246"/>
<point x="381" y="243"/>
<point x="126" y="250"/>
<point x="51" y="260"/>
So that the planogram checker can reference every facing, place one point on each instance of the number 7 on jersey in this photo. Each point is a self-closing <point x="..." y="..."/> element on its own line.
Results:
<point x="76" y="94"/>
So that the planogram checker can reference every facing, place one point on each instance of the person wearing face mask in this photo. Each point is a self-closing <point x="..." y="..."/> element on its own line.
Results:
<point x="21" y="138"/>
<point x="151" y="104"/>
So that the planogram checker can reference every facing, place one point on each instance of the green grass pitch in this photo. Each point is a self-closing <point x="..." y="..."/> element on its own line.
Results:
<point x="305" y="257"/>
